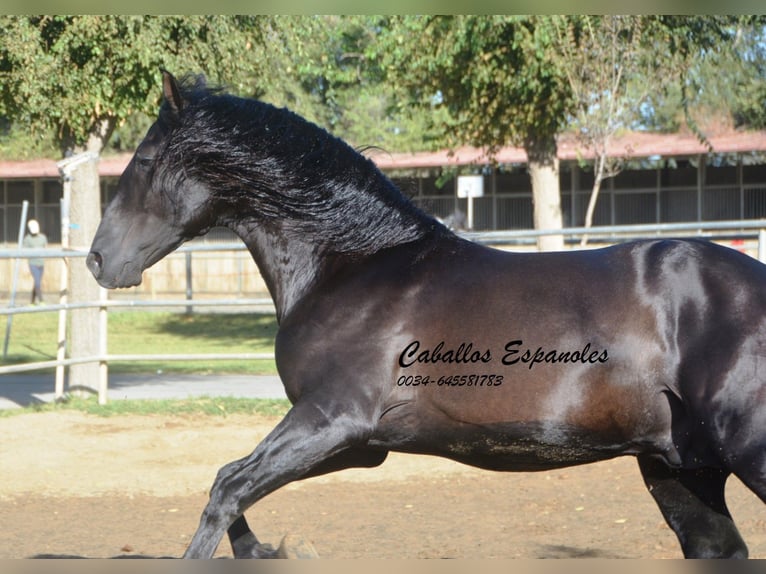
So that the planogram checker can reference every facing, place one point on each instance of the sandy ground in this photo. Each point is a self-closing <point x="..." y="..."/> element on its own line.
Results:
<point x="79" y="485"/>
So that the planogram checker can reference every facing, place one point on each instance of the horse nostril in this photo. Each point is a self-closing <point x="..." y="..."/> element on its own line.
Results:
<point x="95" y="263"/>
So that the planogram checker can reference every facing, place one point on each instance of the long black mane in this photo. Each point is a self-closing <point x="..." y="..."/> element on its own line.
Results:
<point x="282" y="170"/>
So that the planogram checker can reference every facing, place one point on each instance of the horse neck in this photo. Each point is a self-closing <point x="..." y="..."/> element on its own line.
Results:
<point x="289" y="267"/>
<point x="292" y="264"/>
<point x="294" y="255"/>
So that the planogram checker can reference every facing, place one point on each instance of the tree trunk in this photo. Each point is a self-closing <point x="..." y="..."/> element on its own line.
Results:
<point x="598" y="178"/>
<point x="543" y="165"/>
<point x="84" y="216"/>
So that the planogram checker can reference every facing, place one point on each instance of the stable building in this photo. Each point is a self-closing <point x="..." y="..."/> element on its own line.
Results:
<point x="665" y="178"/>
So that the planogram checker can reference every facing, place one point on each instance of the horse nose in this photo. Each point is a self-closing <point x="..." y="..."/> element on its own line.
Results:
<point x="95" y="263"/>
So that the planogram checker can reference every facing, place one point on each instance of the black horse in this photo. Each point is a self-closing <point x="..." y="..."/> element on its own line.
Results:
<point x="395" y="334"/>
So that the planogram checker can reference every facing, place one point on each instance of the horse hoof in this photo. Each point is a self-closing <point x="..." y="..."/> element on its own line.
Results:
<point x="296" y="548"/>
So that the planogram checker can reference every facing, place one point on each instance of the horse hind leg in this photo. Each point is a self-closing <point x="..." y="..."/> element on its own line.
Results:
<point x="694" y="506"/>
<point x="745" y="443"/>
<point x="750" y="468"/>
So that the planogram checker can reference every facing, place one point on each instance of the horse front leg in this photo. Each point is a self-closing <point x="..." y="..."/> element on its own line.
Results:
<point x="308" y="436"/>
<point x="244" y="544"/>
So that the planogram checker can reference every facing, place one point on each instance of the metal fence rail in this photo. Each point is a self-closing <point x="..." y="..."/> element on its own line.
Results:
<point x="103" y="358"/>
<point x="739" y="229"/>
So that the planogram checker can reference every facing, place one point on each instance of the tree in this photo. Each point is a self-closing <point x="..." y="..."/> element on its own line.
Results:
<point x="493" y="76"/>
<point x="715" y="70"/>
<point x="750" y="107"/>
<point x="334" y="77"/>
<point x="80" y="76"/>
<point x="505" y="81"/>
<point x="613" y="65"/>
<point x="601" y="56"/>
<point x="730" y="82"/>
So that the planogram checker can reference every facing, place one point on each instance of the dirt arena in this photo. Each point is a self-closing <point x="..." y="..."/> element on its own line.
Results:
<point x="79" y="485"/>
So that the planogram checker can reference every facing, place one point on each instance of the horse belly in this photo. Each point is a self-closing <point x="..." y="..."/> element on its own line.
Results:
<point x="505" y="446"/>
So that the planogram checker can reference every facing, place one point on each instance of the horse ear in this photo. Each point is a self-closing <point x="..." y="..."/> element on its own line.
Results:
<point x="171" y="92"/>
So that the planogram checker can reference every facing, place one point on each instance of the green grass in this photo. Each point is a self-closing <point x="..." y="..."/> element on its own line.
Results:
<point x="209" y="406"/>
<point x="33" y="338"/>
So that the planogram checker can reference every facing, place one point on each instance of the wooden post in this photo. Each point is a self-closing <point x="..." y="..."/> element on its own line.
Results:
<point x="63" y="295"/>
<point x="84" y="215"/>
<point x="16" y="265"/>
<point x="189" y="289"/>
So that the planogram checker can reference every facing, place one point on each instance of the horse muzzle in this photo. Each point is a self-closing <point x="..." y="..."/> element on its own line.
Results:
<point x="126" y="277"/>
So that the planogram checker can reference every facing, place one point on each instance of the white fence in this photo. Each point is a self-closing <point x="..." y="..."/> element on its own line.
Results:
<point x="751" y="230"/>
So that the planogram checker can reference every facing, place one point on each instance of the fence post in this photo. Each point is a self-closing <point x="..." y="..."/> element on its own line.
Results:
<point x="63" y="296"/>
<point x="84" y="215"/>
<point x="189" y="290"/>
<point x="17" y="263"/>
<point x="103" y="365"/>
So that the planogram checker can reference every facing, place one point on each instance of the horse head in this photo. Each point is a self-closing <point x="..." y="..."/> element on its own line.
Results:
<point x="147" y="219"/>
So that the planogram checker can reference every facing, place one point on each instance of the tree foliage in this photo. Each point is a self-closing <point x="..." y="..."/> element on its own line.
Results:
<point x="490" y="72"/>
<point x="606" y="61"/>
<point x="602" y="57"/>
<point x="80" y="76"/>
<point x="507" y="79"/>
<point x="403" y="83"/>
<point x="525" y="80"/>
<point x="334" y="77"/>
<point x="614" y="64"/>
<point x="750" y="64"/>
<point x="492" y="75"/>
<point x="731" y="81"/>
<point x="712" y="71"/>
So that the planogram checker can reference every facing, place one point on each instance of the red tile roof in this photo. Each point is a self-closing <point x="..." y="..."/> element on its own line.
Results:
<point x="46" y="168"/>
<point x="633" y="145"/>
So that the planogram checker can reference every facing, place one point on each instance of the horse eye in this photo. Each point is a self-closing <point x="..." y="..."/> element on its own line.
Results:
<point x="144" y="161"/>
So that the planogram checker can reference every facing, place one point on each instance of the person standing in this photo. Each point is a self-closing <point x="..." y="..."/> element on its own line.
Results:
<point x="35" y="239"/>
